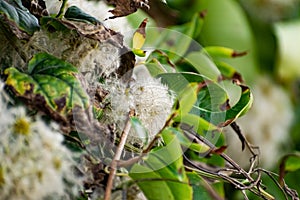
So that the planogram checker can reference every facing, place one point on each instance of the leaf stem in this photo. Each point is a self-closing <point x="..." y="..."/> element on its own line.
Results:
<point x="62" y="9"/>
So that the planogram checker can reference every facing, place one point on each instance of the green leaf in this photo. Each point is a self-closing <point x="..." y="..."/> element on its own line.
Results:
<point x="43" y="63"/>
<point x="198" y="123"/>
<point x="291" y="162"/>
<point x="151" y="183"/>
<point x="53" y="24"/>
<point x="212" y="99"/>
<point x="162" y="176"/>
<point x="242" y="106"/>
<point x="177" y="82"/>
<point x="203" y="64"/>
<point x="75" y="13"/>
<point x="187" y="98"/>
<point x="177" y="40"/>
<point x="184" y="141"/>
<point x="173" y="43"/>
<point x="18" y="18"/>
<point x="197" y="182"/>
<point x="193" y="27"/>
<point x="50" y="82"/>
<point x="220" y="28"/>
<point x="228" y="72"/>
<point x="226" y="117"/>
<point x="225" y="52"/>
<point x="194" y="90"/>
<point x="158" y="62"/>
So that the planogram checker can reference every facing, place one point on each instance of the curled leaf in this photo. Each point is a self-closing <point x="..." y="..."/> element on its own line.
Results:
<point x="228" y="72"/>
<point x="18" y="19"/>
<point x="223" y="52"/>
<point x="75" y="13"/>
<point x="288" y="163"/>
<point x="139" y="38"/>
<point x="211" y="102"/>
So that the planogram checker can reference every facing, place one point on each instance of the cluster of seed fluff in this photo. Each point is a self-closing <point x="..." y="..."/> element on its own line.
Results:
<point x="151" y="100"/>
<point x="92" y="58"/>
<point x="34" y="163"/>
<point x="265" y="125"/>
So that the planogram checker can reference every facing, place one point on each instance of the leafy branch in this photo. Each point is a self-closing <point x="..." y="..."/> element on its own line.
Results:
<point x="187" y="153"/>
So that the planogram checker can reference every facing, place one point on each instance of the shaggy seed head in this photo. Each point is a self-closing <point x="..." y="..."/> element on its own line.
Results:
<point x="34" y="164"/>
<point x="148" y="97"/>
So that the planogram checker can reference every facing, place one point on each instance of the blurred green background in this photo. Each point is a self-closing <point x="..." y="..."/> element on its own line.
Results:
<point x="269" y="30"/>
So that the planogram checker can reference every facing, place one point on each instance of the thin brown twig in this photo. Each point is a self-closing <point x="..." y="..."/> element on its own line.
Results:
<point x="117" y="156"/>
<point x="122" y="163"/>
<point x="238" y="184"/>
<point x="186" y="127"/>
<point x="246" y="143"/>
<point x="254" y="186"/>
<point x="254" y="162"/>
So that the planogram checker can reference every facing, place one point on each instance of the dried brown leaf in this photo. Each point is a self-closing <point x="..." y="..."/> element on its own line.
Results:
<point x="126" y="7"/>
<point x="36" y="7"/>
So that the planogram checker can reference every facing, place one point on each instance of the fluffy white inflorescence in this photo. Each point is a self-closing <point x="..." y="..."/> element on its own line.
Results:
<point x="152" y="103"/>
<point x="151" y="100"/>
<point x="266" y="125"/>
<point x="34" y="163"/>
<point x="93" y="59"/>
<point x="102" y="61"/>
